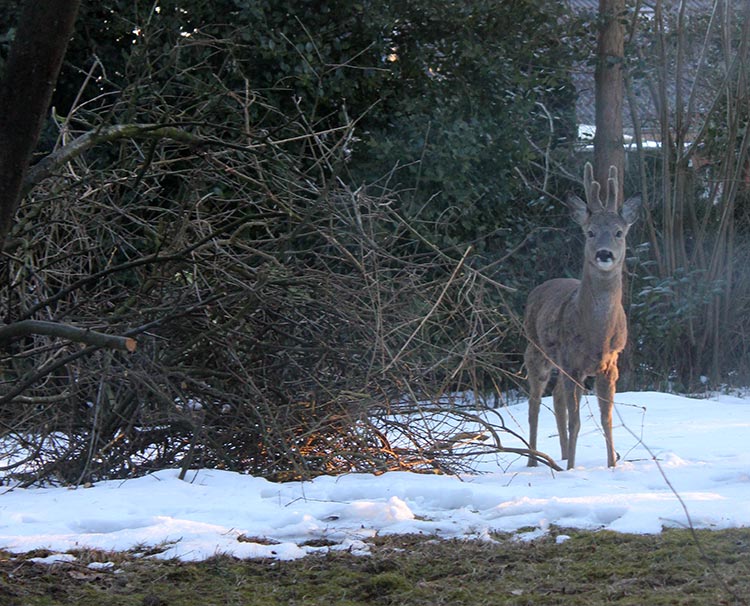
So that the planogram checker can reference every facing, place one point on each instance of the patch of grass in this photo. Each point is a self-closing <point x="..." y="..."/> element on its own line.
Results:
<point x="589" y="568"/>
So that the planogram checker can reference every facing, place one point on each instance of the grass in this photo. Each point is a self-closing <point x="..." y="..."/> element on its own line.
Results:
<point x="589" y="568"/>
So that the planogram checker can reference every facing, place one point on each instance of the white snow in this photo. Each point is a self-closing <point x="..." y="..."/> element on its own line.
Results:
<point x="702" y="447"/>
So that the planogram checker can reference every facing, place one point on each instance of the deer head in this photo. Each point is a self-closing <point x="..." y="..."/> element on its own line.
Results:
<point x="603" y="225"/>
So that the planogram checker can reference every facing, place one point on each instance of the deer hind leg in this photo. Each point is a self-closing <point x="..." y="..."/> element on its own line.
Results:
<point x="605" y="391"/>
<point x="538" y="376"/>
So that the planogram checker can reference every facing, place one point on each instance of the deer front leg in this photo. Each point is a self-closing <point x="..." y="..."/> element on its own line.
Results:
<point x="535" y="402"/>
<point x="571" y="391"/>
<point x="560" y="400"/>
<point x="605" y="391"/>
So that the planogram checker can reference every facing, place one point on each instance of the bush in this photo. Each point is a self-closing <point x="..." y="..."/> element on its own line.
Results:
<point x="283" y="319"/>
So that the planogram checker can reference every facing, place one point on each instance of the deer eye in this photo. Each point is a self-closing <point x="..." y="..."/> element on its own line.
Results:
<point x="590" y="234"/>
<point x="618" y="234"/>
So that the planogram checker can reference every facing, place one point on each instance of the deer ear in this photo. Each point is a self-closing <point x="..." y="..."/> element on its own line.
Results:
<point x="578" y="208"/>
<point x="630" y="209"/>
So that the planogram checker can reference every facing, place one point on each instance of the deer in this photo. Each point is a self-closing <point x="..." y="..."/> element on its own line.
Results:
<point x="579" y="327"/>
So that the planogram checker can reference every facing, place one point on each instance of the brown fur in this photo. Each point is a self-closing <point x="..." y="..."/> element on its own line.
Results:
<point x="579" y="326"/>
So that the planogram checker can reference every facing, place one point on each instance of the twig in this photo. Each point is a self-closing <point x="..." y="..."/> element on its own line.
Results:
<point x="429" y="313"/>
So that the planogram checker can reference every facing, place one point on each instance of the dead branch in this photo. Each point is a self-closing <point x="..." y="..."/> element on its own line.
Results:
<point x="24" y="328"/>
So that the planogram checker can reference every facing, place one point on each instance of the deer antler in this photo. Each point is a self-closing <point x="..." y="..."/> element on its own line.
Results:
<point x="612" y="190"/>
<point x="592" y="189"/>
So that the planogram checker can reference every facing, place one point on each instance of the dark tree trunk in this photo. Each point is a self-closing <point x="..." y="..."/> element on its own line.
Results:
<point x="608" y="143"/>
<point x="42" y="35"/>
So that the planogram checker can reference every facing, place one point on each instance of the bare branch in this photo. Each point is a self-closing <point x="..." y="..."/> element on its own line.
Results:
<point x="25" y="328"/>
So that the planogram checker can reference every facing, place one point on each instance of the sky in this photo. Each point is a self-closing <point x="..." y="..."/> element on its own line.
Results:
<point x="679" y="457"/>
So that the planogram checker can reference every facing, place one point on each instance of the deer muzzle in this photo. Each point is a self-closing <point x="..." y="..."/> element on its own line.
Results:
<point x="605" y="259"/>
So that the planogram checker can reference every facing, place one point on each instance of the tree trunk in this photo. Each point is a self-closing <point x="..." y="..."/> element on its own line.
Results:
<point x="608" y="143"/>
<point x="42" y="35"/>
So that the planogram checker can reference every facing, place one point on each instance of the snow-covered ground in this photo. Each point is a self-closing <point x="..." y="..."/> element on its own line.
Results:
<point x="702" y="447"/>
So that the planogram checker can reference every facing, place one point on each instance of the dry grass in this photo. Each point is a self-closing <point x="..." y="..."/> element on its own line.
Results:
<point x="589" y="568"/>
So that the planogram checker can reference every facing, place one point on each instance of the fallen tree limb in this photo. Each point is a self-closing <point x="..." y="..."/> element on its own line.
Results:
<point x="65" y="331"/>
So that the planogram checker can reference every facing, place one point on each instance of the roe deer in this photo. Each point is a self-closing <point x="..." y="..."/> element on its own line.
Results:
<point x="579" y="326"/>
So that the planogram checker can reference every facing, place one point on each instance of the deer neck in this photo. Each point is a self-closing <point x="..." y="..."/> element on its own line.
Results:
<point x="600" y="300"/>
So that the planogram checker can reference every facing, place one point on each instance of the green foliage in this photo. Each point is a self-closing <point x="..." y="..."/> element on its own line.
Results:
<point x="465" y="116"/>
<point x="464" y="98"/>
<point x="665" y="314"/>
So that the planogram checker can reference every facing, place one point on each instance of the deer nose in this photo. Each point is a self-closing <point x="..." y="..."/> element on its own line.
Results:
<point x="605" y="256"/>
